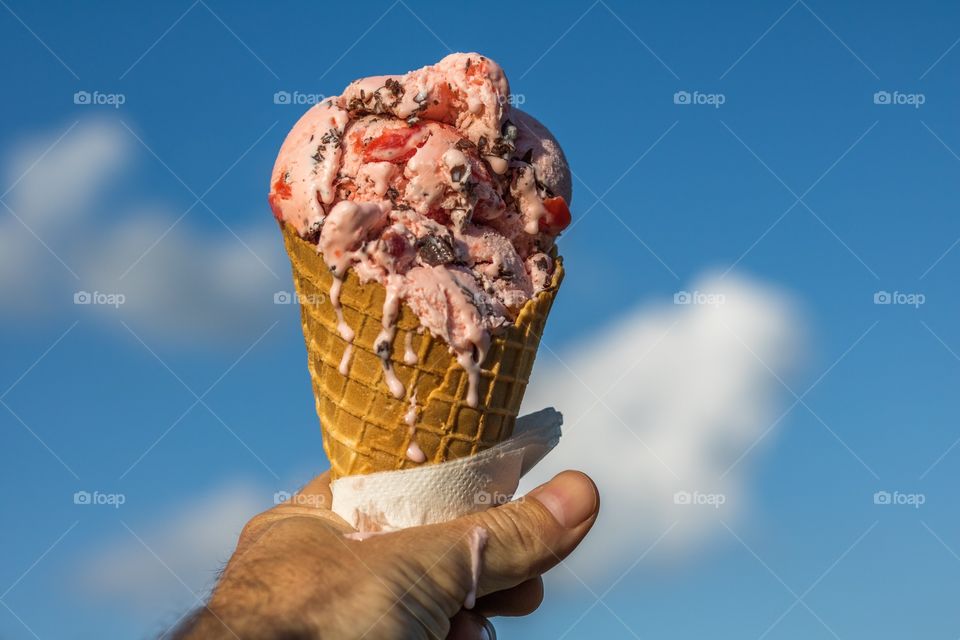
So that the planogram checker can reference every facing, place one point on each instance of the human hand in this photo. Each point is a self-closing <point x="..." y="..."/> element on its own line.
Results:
<point x="299" y="572"/>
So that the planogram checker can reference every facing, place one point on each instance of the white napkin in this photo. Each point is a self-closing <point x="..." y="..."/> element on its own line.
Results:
<point x="393" y="500"/>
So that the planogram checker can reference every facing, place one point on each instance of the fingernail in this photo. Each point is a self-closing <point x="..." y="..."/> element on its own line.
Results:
<point x="570" y="497"/>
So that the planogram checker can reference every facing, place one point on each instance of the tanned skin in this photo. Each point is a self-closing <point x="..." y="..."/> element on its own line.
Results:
<point x="296" y="576"/>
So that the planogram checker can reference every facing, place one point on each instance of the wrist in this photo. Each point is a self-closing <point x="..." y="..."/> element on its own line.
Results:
<point x="209" y="624"/>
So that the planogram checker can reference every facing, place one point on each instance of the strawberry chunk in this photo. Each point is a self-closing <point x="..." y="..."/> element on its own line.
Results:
<point x="438" y="214"/>
<point x="476" y="70"/>
<point x="558" y="215"/>
<point x="281" y="188"/>
<point x="442" y="104"/>
<point x="280" y="191"/>
<point x="393" y="146"/>
<point x="394" y="243"/>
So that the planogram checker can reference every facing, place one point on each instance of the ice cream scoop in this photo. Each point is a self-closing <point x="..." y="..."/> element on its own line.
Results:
<point x="433" y="186"/>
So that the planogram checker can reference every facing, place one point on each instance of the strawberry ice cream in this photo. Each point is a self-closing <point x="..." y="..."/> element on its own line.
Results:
<point x="434" y="186"/>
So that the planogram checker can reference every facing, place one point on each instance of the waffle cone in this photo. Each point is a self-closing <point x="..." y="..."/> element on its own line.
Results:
<point x="364" y="426"/>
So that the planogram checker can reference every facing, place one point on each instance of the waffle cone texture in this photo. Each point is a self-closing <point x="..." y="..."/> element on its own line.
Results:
<point x="364" y="426"/>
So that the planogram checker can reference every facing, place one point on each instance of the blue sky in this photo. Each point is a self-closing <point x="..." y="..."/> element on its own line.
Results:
<point x="799" y="198"/>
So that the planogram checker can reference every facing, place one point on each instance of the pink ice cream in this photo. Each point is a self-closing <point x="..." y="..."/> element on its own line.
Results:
<point x="434" y="186"/>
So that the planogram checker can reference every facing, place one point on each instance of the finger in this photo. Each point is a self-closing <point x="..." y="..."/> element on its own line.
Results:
<point x="520" y="600"/>
<point x="313" y="495"/>
<point x="529" y="536"/>
<point x="467" y="625"/>
<point x="319" y="487"/>
<point x="314" y="499"/>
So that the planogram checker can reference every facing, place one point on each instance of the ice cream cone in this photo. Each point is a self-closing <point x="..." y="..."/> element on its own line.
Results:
<point x="365" y="427"/>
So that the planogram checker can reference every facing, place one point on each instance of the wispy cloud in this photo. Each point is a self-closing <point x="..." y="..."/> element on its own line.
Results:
<point x="70" y="228"/>
<point x="661" y="403"/>
<point x="658" y="408"/>
<point x="190" y="543"/>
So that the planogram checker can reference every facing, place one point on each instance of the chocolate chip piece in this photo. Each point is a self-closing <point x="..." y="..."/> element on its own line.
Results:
<point x="435" y="250"/>
<point x="479" y="301"/>
<point x="394" y="87"/>
<point x="313" y="231"/>
<point x="331" y="136"/>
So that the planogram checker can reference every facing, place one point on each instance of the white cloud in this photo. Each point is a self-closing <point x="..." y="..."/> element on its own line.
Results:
<point x="75" y="166"/>
<point x="665" y="400"/>
<point x="191" y="543"/>
<point x="681" y="394"/>
<point x="178" y="282"/>
<point x="188" y="285"/>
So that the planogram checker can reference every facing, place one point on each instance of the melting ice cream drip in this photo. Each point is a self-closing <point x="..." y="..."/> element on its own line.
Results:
<point x="471" y="361"/>
<point x="345" y="331"/>
<point x="477" y="539"/>
<point x="383" y="344"/>
<point x="414" y="452"/>
<point x="409" y="355"/>
<point x="342" y="327"/>
<point x="344" y="368"/>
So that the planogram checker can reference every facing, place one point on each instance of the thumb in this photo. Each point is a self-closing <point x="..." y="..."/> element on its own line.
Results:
<point x="529" y="536"/>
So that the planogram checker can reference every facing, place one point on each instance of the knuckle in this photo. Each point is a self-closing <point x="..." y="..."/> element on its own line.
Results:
<point x="524" y="530"/>
<point x="253" y="525"/>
